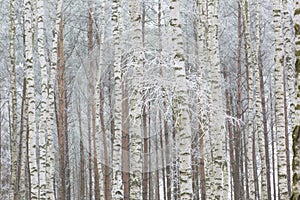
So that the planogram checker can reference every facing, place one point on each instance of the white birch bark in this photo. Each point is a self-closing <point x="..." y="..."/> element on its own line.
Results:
<point x="23" y="179"/>
<point x="14" y="137"/>
<point x="32" y="143"/>
<point x="296" y="130"/>
<point x="217" y="108"/>
<point x="258" y="109"/>
<point x="251" y="114"/>
<point x="5" y="149"/>
<point x="289" y="61"/>
<point x="279" y="104"/>
<point x="43" y="104"/>
<point x="117" y="185"/>
<point x="50" y="170"/>
<point x="100" y="145"/>
<point x="136" y="103"/>
<point x="180" y="104"/>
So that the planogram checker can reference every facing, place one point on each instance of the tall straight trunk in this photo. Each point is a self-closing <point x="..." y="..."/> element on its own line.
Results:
<point x="90" y="157"/>
<point x="135" y="102"/>
<point x="50" y="168"/>
<point x="288" y="85"/>
<point x="279" y="105"/>
<point x="251" y="150"/>
<point x="296" y="130"/>
<point x="5" y="150"/>
<point x="92" y="102"/>
<point x="272" y="140"/>
<point x="61" y="115"/>
<point x="14" y="137"/>
<point x="237" y="133"/>
<point x="265" y="182"/>
<point x="146" y="160"/>
<point x="117" y="183"/>
<point x="31" y="100"/>
<point x="217" y="115"/>
<point x="125" y="141"/>
<point x="230" y="131"/>
<point x="44" y="187"/>
<point x="146" y="137"/>
<point x="265" y="128"/>
<point x="162" y="116"/>
<point x="182" y="128"/>
<point x="81" y="191"/>
<point x="22" y="153"/>
<point x="105" y="166"/>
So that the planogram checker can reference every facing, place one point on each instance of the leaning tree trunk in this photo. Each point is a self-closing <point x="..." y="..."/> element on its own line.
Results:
<point x="296" y="131"/>
<point x="279" y="105"/>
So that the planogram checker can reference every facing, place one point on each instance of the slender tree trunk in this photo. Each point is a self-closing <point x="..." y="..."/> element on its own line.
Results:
<point x="81" y="192"/>
<point x="14" y="137"/>
<point x="31" y="100"/>
<point x="296" y="130"/>
<point x="125" y="141"/>
<point x="61" y="114"/>
<point x="251" y="150"/>
<point x="50" y="168"/>
<point x="135" y="102"/>
<point x="44" y="187"/>
<point x="279" y="105"/>
<point x="180" y="106"/>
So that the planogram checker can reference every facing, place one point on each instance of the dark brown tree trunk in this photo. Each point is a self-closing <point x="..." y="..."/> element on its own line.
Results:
<point x="92" y="102"/>
<point x="90" y="169"/>
<point x="265" y="127"/>
<point x="105" y="166"/>
<point x="146" y="157"/>
<point x="61" y="114"/>
<point x="81" y="192"/>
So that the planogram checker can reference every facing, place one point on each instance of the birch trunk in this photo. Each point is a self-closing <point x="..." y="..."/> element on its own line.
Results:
<point x="32" y="143"/>
<point x="117" y="185"/>
<point x="14" y="137"/>
<point x="135" y="103"/>
<point x="50" y="169"/>
<point x="217" y="115"/>
<point x="296" y="130"/>
<point x="43" y="104"/>
<point x="289" y="60"/>
<point x="279" y="104"/>
<point x="180" y="104"/>
<point x="251" y="154"/>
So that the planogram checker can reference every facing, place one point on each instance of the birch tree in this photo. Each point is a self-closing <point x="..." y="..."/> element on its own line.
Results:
<point x="32" y="143"/>
<point x="14" y="137"/>
<point x="117" y="185"/>
<point x="217" y="115"/>
<point x="296" y="130"/>
<point x="251" y="151"/>
<point x="44" y="103"/>
<point x="135" y="103"/>
<point x="180" y="103"/>
<point x="279" y="105"/>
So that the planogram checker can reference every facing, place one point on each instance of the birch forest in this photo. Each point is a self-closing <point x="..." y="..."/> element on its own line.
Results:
<point x="150" y="99"/>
